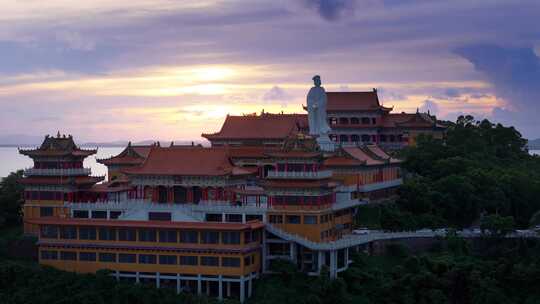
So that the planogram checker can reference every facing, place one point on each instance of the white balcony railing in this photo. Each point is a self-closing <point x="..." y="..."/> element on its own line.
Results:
<point x="57" y="172"/>
<point x="300" y="174"/>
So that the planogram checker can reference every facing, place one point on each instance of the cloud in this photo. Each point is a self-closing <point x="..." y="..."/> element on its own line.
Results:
<point x="331" y="10"/>
<point x="275" y="94"/>
<point x="75" y="41"/>
<point x="515" y="76"/>
<point x="429" y="106"/>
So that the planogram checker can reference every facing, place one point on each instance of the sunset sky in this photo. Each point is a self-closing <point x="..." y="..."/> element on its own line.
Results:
<point x="161" y="69"/>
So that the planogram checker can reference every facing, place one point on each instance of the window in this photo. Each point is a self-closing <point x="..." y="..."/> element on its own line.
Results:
<point x="50" y="232"/>
<point x="87" y="233"/>
<point x="230" y="262"/>
<point x="115" y="214"/>
<point x="68" y="232"/>
<point x="127" y="258"/>
<point x="213" y="217"/>
<point x="355" y="120"/>
<point x="247" y="260"/>
<point x="343" y="138"/>
<point x="209" y="261"/>
<point x="68" y="255"/>
<point x="365" y="138"/>
<point x="147" y="259"/>
<point x="147" y="235"/>
<point x="168" y="259"/>
<point x="392" y="138"/>
<point x="107" y="257"/>
<point x="189" y="260"/>
<point x="168" y="236"/>
<point x="107" y="234"/>
<point x="247" y="237"/>
<point x="343" y="121"/>
<point x="382" y="138"/>
<point x="45" y="211"/>
<point x="293" y="219"/>
<point x="87" y="256"/>
<point x="159" y="216"/>
<point x="210" y="237"/>
<point x="373" y="121"/>
<point x="233" y="218"/>
<point x="365" y="120"/>
<point x="49" y="255"/>
<point x="189" y="237"/>
<point x="253" y="217"/>
<point x="99" y="214"/>
<point x="355" y="138"/>
<point x="80" y="214"/>
<point x="230" y="237"/>
<point x="276" y="219"/>
<point x="127" y="235"/>
<point x="310" y="219"/>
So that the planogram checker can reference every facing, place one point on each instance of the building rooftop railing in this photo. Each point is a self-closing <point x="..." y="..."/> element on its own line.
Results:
<point x="57" y="172"/>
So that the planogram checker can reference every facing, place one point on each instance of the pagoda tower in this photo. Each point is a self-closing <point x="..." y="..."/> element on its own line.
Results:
<point x="57" y="176"/>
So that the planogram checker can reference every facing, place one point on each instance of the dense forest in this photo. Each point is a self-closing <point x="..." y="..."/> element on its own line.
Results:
<point x="479" y="169"/>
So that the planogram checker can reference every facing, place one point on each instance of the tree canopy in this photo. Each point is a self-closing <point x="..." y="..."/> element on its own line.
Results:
<point x="479" y="168"/>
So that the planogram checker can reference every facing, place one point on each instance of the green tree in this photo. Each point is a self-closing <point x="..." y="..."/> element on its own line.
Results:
<point x="11" y="199"/>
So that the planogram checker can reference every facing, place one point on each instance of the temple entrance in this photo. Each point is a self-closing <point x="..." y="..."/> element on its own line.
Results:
<point x="180" y="195"/>
<point x="197" y="194"/>
<point x="162" y="195"/>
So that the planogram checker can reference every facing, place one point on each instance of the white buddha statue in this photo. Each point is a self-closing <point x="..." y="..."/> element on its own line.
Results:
<point x="316" y="106"/>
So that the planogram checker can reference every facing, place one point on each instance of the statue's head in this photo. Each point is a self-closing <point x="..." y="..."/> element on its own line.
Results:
<point x="317" y="80"/>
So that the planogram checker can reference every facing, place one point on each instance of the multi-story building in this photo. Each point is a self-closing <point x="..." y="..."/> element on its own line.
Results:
<point x="57" y="176"/>
<point x="212" y="219"/>
<point x="356" y="118"/>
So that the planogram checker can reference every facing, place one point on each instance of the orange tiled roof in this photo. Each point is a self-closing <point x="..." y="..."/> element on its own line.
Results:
<point x="192" y="160"/>
<point x="58" y="146"/>
<point x="264" y="126"/>
<point x="369" y="155"/>
<point x="131" y="155"/>
<point x="146" y="224"/>
<point x="353" y="101"/>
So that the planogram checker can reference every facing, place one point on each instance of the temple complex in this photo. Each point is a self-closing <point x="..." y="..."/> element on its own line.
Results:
<point x="355" y="118"/>
<point x="210" y="220"/>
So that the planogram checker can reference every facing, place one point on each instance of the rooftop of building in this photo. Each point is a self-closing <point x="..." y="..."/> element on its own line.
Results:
<point x="263" y="126"/>
<point x="59" y="145"/>
<point x="365" y="155"/>
<point x="131" y="155"/>
<point x="187" y="161"/>
<point x="354" y="101"/>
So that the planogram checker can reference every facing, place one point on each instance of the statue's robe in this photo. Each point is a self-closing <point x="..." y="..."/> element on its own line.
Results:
<point x="316" y="104"/>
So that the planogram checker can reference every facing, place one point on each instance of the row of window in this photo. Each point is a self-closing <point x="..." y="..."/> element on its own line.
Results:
<point x="132" y="258"/>
<point x="293" y="219"/>
<point x="147" y="235"/>
<point x="96" y="214"/>
<point x="298" y="200"/>
<point x="297" y="167"/>
<point x="365" y="138"/>
<point x="352" y="120"/>
<point x="232" y="218"/>
<point x="57" y="165"/>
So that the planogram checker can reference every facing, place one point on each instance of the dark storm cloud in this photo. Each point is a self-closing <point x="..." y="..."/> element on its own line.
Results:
<point x="331" y="10"/>
<point x="515" y="75"/>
